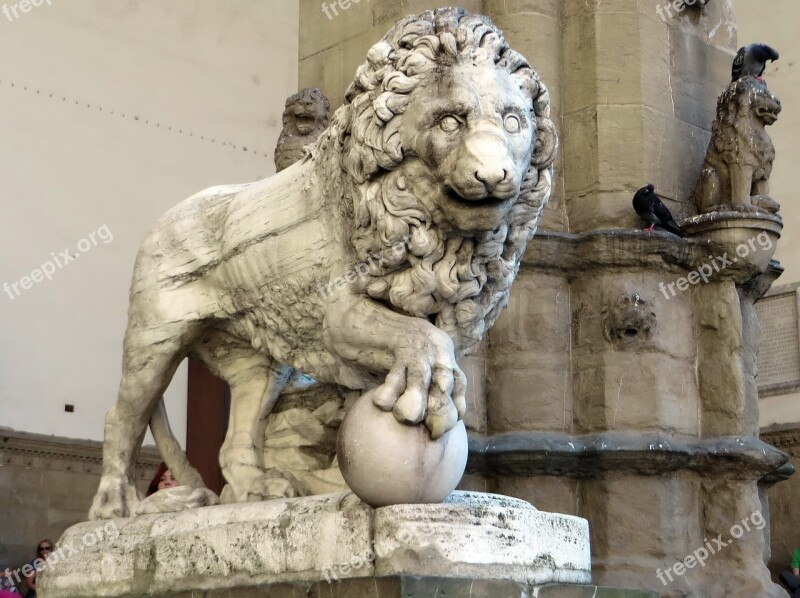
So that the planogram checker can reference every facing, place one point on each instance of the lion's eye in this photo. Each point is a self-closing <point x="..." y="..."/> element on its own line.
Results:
<point x="449" y="124"/>
<point x="511" y="123"/>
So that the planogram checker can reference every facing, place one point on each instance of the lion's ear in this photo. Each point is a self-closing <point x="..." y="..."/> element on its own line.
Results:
<point x="544" y="152"/>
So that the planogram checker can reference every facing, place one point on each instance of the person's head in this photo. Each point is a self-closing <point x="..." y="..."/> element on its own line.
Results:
<point x="162" y="479"/>
<point x="167" y="480"/>
<point x="44" y="548"/>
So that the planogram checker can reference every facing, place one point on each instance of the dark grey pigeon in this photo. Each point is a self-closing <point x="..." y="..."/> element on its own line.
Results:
<point x="653" y="211"/>
<point x="752" y="60"/>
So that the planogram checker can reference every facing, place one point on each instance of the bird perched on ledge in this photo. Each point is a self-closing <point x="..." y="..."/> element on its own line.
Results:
<point x="752" y="60"/>
<point x="653" y="211"/>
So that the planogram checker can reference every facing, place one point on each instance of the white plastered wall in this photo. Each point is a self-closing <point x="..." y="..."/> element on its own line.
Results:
<point x="112" y="111"/>
<point x="775" y="23"/>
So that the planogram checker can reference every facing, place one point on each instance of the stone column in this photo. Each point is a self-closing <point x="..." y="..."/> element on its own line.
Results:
<point x="604" y="396"/>
<point x="652" y="433"/>
<point x="639" y="93"/>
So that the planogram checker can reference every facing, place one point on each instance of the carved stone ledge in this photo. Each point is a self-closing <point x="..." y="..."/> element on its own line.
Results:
<point x="627" y="248"/>
<point x="39" y="451"/>
<point x="547" y="453"/>
<point x="786" y="439"/>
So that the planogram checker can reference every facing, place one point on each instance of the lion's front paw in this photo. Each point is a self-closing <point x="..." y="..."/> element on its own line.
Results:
<point x="115" y="497"/>
<point x="766" y="204"/>
<point x="748" y="208"/>
<point x="274" y="484"/>
<point x="425" y="383"/>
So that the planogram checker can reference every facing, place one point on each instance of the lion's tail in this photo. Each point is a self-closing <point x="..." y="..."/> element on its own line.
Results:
<point x="171" y="451"/>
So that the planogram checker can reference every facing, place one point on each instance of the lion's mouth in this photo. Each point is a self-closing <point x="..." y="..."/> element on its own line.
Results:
<point x="489" y="201"/>
<point x="767" y="116"/>
<point x="304" y="122"/>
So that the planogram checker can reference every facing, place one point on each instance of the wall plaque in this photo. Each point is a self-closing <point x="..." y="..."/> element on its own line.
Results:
<point x="779" y="353"/>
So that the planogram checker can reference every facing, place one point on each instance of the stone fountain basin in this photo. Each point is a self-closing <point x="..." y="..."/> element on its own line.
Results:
<point x="748" y="236"/>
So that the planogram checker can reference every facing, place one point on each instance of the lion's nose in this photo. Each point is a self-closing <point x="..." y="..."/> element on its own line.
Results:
<point x="490" y="177"/>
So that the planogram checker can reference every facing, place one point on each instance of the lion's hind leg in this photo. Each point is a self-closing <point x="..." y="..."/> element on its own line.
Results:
<point x="708" y="191"/>
<point x="152" y="353"/>
<point x="256" y="381"/>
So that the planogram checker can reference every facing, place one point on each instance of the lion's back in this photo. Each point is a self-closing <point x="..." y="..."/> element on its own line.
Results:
<point x="188" y="237"/>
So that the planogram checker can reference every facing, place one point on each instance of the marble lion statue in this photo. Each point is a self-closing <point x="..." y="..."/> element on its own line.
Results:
<point x="372" y="263"/>
<point x="738" y="163"/>
<point x="304" y="119"/>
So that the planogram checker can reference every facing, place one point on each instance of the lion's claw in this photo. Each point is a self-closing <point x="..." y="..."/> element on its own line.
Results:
<point x="115" y="497"/>
<point x="425" y="385"/>
<point x="276" y="484"/>
<point x="441" y="419"/>
<point x="385" y="396"/>
<point x="460" y="392"/>
<point x="410" y="407"/>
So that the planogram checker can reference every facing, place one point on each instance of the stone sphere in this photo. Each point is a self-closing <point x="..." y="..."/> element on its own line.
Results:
<point x="385" y="462"/>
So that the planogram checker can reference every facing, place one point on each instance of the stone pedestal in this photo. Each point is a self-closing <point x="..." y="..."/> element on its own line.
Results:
<point x="405" y="586"/>
<point x="331" y="541"/>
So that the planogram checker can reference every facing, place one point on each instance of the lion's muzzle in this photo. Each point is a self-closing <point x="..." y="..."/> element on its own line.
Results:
<point x="483" y="168"/>
<point x="769" y="114"/>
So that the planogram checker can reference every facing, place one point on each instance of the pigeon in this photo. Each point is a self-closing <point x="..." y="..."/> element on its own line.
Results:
<point x="653" y="211"/>
<point x="752" y="60"/>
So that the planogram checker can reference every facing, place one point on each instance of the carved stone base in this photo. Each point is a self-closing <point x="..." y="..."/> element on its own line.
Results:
<point x="404" y="586"/>
<point x="748" y="236"/>
<point x="328" y="538"/>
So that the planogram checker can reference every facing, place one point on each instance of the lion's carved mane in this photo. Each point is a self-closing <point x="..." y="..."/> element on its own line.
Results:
<point x="463" y="280"/>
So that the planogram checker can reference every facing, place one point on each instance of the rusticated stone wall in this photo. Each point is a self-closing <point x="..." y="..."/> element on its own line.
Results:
<point x="46" y="485"/>
<point x="783" y="500"/>
<point x="596" y="394"/>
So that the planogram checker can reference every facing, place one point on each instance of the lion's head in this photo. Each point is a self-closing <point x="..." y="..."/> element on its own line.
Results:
<point x="738" y="134"/>
<point x="304" y="119"/>
<point x="748" y="99"/>
<point x="306" y="111"/>
<point x="447" y="146"/>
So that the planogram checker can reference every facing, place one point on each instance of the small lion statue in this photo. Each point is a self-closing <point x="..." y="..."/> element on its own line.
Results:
<point x="388" y="250"/>
<point x="738" y="163"/>
<point x="304" y="120"/>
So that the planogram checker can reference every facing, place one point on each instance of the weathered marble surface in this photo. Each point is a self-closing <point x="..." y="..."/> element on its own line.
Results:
<point x="372" y="263"/>
<point x="300" y="438"/>
<point x="322" y="538"/>
<point x="387" y="463"/>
